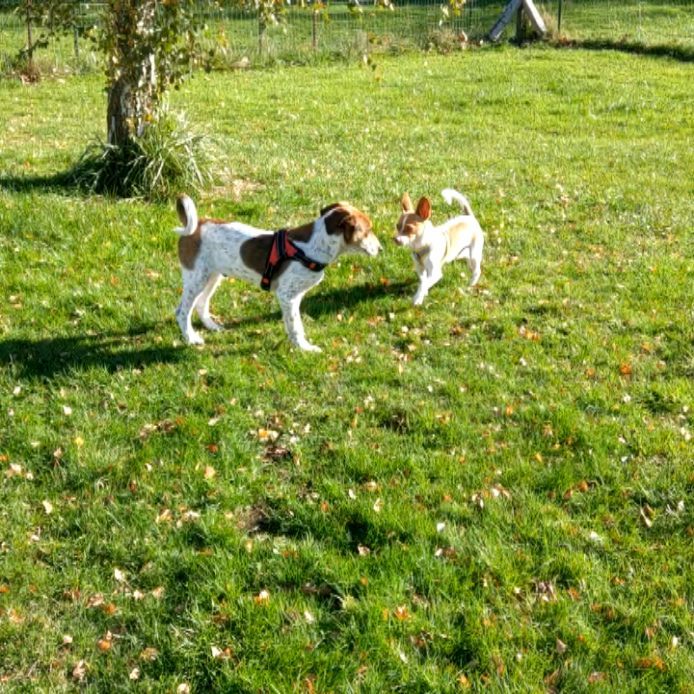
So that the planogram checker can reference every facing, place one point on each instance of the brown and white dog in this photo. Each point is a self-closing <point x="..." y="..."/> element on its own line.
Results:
<point x="211" y="249"/>
<point x="434" y="246"/>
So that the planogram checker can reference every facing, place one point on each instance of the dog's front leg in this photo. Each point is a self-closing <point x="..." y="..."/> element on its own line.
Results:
<point x="423" y="288"/>
<point x="429" y="276"/>
<point x="291" y="314"/>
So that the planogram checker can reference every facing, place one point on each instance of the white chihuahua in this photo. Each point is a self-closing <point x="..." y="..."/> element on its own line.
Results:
<point x="434" y="246"/>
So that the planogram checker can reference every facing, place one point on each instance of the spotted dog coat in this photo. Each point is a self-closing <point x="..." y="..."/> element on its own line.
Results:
<point x="209" y="250"/>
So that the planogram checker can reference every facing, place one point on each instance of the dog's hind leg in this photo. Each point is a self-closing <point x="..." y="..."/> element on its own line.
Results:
<point x="293" y="324"/>
<point x="202" y="304"/>
<point x="193" y="286"/>
<point x="474" y="262"/>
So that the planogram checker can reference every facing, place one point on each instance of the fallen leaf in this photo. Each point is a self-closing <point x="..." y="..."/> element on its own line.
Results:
<point x="105" y="643"/>
<point x="210" y="472"/>
<point x="552" y="679"/>
<point x="378" y="505"/>
<point x="401" y="613"/>
<point x="561" y="647"/>
<point x="119" y="575"/>
<point x="134" y="674"/>
<point x="47" y="507"/>
<point x="651" y="663"/>
<point x="596" y="677"/>
<point x="647" y="514"/>
<point x="79" y="671"/>
<point x="95" y="600"/>
<point x="149" y="654"/>
<point x="268" y="435"/>
<point x="263" y="598"/>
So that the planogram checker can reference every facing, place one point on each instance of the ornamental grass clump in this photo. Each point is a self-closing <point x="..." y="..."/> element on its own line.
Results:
<point x="167" y="158"/>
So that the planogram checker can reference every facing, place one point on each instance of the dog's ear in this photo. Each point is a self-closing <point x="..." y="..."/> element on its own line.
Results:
<point x="406" y="203"/>
<point x="338" y="220"/>
<point x="327" y="209"/>
<point x="424" y="208"/>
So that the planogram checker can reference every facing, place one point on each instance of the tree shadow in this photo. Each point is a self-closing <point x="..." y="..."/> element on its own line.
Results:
<point x="57" y="183"/>
<point x="49" y="357"/>
<point x="684" y="54"/>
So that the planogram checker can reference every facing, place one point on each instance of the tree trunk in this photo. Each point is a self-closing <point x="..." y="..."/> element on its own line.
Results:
<point x="132" y="89"/>
<point x="119" y="113"/>
<point x="131" y="105"/>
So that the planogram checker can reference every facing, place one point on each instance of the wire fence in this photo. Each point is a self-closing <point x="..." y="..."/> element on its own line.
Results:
<point x="347" y="29"/>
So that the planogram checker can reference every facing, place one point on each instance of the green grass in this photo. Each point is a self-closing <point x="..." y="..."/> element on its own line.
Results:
<point x="494" y="490"/>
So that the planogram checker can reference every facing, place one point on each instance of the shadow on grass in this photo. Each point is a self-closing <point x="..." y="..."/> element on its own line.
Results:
<point x="334" y="300"/>
<point x="684" y="54"/>
<point x="46" y="358"/>
<point x="57" y="183"/>
<point x="323" y="302"/>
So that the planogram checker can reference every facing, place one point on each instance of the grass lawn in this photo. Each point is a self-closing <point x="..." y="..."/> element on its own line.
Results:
<point x="491" y="491"/>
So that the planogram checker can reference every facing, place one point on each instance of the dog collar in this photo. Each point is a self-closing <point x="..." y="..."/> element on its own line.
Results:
<point x="282" y="249"/>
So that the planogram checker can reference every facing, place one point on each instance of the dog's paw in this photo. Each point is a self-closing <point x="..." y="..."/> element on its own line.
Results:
<point x="308" y="347"/>
<point x="212" y="326"/>
<point x="194" y="339"/>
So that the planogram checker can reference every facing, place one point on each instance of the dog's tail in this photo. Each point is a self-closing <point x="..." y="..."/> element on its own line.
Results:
<point x="188" y="215"/>
<point x="449" y="195"/>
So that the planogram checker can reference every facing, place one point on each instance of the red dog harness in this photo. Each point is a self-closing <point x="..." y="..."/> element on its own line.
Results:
<point x="283" y="248"/>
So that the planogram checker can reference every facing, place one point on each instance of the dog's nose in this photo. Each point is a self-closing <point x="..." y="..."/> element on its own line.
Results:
<point x="397" y="240"/>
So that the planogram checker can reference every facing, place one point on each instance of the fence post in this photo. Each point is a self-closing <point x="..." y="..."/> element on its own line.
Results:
<point x="30" y="38"/>
<point x="262" y="34"/>
<point x="314" y="30"/>
<point x="559" y="17"/>
<point x="520" y="25"/>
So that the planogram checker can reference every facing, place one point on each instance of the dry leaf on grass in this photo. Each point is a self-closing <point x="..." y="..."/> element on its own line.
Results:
<point x="263" y="598"/>
<point x="79" y="671"/>
<point x="401" y="613"/>
<point x="104" y="644"/>
<point x="149" y="654"/>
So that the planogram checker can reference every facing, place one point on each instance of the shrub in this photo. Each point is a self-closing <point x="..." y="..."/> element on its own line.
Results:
<point x="167" y="158"/>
